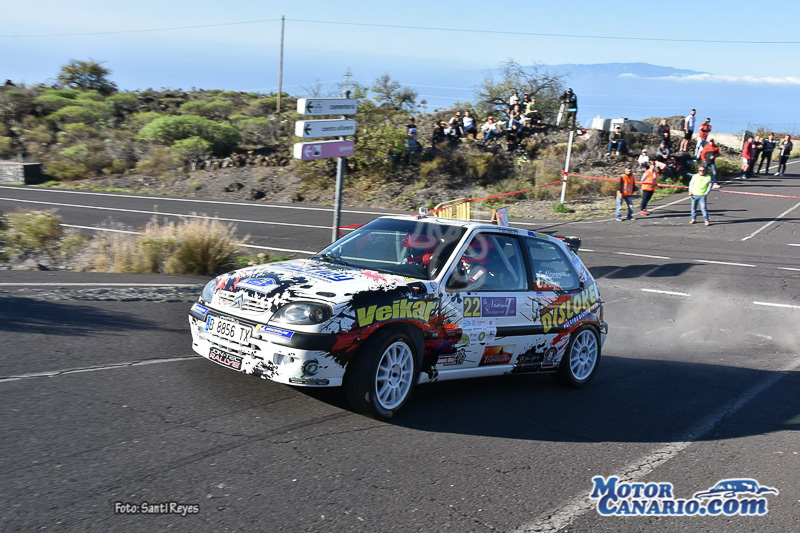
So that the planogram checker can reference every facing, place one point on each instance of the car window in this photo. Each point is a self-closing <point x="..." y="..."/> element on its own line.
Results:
<point x="493" y="263"/>
<point x="552" y="271"/>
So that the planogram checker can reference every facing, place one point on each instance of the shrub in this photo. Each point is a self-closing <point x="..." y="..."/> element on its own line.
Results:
<point x="39" y="134"/>
<point x="52" y="102"/>
<point x="75" y="113"/>
<point x="77" y="154"/>
<point x="123" y="103"/>
<point x="79" y="130"/>
<point x="30" y="232"/>
<point x="205" y="247"/>
<point x="728" y="165"/>
<point x="192" y="149"/>
<point x="167" y="130"/>
<point x="138" y="121"/>
<point x="219" y="109"/>
<point x="65" y="170"/>
<point x="161" y="161"/>
<point x="5" y="147"/>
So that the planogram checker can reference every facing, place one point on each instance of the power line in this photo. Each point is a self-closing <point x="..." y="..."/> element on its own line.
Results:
<point x="406" y="27"/>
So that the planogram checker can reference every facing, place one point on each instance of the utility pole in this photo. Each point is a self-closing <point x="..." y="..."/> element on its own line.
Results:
<point x="280" y="66"/>
<point x="566" y="166"/>
<point x="337" y="199"/>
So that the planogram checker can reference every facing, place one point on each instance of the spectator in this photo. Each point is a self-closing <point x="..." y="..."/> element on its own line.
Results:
<point x="469" y="124"/>
<point x="515" y="119"/>
<point x="513" y="100"/>
<point x="644" y="160"/>
<point x="709" y="157"/>
<point x="627" y="186"/>
<point x="411" y="135"/>
<point x="758" y="145"/>
<point x="747" y="156"/>
<point x="766" y="152"/>
<point x="705" y="129"/>
<point x="663" y="131"/>
<point x="489" y="129"/>
<point x="699" y="187"/>
<point x="572" y="106"/>
<point x="531" y="113"/>
<point x="450" y="132"/>
<point x="786" y="150"/>
<point x="437" y="135"/>
<point x="616" y="140"/>
<point x="456" y="124"/>
<point x="688" y="130"/>
<point x="649" y="183"/>
<point x="662" y="155"/>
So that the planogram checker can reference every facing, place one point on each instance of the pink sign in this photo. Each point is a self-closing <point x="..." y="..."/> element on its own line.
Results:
<point x="323" y="150"/>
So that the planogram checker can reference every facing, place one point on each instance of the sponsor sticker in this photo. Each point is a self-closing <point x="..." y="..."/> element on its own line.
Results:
<point x="497" y="355"/>
<point x="270" y="330"/>
<point x="309" y="381"/>
<point x="199" y="309"/>
<point x="452" y="359"/>
<point x="322" y="274"/>
<point x="256" y="284"/>
<point x="728" y="497"/>
<point x="225" y="359"/>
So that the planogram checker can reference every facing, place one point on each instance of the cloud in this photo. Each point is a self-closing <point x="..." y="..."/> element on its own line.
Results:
<point x="721" y="78"/>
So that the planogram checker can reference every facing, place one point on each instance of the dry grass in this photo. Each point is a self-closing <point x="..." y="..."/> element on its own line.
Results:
<point x="192" y="246"/>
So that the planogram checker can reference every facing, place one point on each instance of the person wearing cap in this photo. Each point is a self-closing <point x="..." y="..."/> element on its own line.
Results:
<point x="615" y="141"/>
<point x="709" y="157"/>
<point x="489" y="128"/>
<point x="644" y="160"/>
<point x="702" y="137"/>
<point x="627" y="186"/>
<point x="699" y="187"/>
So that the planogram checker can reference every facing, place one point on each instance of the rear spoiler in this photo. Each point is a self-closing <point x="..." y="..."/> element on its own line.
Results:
<point x="573" y="243"/>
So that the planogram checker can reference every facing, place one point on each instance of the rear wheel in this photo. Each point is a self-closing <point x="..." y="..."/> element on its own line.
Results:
<point x="383" y="374"/>
<point x="581" y="359"/>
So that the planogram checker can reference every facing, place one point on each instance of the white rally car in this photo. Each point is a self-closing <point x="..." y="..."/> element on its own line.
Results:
<point x="407" y="300"/>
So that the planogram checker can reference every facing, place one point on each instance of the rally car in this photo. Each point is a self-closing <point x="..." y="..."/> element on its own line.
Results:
<point x="403" y="301"/>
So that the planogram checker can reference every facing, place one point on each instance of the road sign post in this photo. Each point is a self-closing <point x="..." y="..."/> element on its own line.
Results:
<point x="312" y="129"/>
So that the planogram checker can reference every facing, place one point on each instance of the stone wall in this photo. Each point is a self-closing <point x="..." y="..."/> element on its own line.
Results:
<point x="15" y="172"/>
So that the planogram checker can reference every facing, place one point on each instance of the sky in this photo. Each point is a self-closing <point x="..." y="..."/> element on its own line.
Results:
<point x="441" y="49"/>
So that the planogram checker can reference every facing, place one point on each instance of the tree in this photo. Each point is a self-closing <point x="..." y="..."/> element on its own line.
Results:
<point x="391" y="93"/>
<point x="192" y="149"/>
<point x="535" y="80"/>
<point x="86" y="75"/>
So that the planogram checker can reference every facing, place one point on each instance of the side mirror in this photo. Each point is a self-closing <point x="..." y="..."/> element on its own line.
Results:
<point x="456" y="282"/>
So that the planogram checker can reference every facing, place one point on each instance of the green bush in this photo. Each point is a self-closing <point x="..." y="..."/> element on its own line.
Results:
<point x="138" y="121"/>
<point x="52" y="102"/>
<point x="39" y="134"/>
<point x="65" y="170"/>
<point x="162" y="161"/>
<point x="79" y="130"/>
<point x="192" y="149"/>
<point x="123" y="103"/>
<point x="77" y="154"/>
<point x="5" y="147"/>
<point x="167" y="130"/>
<point x="28" y="232"/>
<point x="219" y="109"/>
<point x="75" y="113"/>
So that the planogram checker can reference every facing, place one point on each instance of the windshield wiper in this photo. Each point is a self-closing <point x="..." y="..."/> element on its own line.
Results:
<point x="330" y="259"/>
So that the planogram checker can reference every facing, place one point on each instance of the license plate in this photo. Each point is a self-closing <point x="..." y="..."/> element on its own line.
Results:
<point x="228" y="329"/>
<point x="225" y="359"/>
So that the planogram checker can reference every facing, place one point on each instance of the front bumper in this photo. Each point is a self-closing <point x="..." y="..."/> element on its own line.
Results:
<point x="280" y="355"/>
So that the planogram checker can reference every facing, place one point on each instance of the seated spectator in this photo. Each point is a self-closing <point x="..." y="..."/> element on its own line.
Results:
<point x="438" y="133"/>
<point x="489" y="129"/>
<point x="455" y="122"/>
<point x="468" y="124"/>
<point x="514" y="99"/>
<point x="531" y="113"/>
<point x="616" y="141"/>
<point x="662" y="154"/>
<point x="515" y="119"/>
<point x="644" y="160"/>
<point x="450" y="132"/>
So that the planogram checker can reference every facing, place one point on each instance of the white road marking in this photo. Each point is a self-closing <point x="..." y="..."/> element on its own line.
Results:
<point x="786" y="306"/>
<point x="558" y="519"/>
<point x="789" y="268"/>
<point x="33" y="284"/>
<point x="585" y="250"/>
<point x="788" y="244"/>
<point x="673" y="293"/>
<point x="180" y="215"/>
<point x="642" y="255"/>
<point x="218" y="202"/>
<point x="102" y="229"/>
<point x="768" y="224"/>
<point x="724" y="263"/>
<point x="55" y="373"/>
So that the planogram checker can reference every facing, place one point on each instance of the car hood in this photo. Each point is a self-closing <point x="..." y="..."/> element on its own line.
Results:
<point x="262" y="290"/>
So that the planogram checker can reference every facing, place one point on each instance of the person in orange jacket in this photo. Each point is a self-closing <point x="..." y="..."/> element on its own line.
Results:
<point x="627" y="186"/>
<point x="709" y="157"/>
<point x="649" y="181"/>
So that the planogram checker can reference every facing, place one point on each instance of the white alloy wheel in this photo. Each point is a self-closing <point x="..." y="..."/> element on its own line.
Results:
<point x="393" y="377"/>
<point x="583" y="355"/>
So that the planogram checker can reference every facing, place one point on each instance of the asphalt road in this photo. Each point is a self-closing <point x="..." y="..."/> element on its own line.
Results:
<point x="104" y="401"/>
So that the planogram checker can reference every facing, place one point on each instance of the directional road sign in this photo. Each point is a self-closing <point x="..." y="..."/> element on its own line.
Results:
<point x="309" y="129"/>
<point x="326" y="106"/>
<point x="322" y="150"/>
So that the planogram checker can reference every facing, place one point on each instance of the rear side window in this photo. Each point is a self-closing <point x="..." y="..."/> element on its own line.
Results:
<point x="493" y="263"/>
<point x="551" y="270"/>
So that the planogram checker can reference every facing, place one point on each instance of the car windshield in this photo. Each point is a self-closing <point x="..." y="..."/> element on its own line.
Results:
<point x="409" y="248"/>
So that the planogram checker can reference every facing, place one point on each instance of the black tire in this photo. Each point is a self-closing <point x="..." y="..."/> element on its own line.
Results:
<point x="580" y="361"/>
<point x="382" y="376"/>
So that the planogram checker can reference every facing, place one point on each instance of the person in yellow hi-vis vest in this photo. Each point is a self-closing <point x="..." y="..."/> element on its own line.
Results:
<point x="699" y="187"/>
<point x="649" y="181"/>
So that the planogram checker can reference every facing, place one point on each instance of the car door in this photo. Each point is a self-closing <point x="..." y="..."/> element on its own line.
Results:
<point x="488" y="298"/>
<point x="557" y="303"/>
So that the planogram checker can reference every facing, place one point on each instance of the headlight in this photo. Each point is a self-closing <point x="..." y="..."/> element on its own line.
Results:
<point x="208" y="291"/>
<point x="303" y="313"/>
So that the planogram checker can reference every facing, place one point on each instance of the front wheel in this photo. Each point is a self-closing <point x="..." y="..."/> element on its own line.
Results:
<point x="581" y="359"/>
<point x="383" y="374"/>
